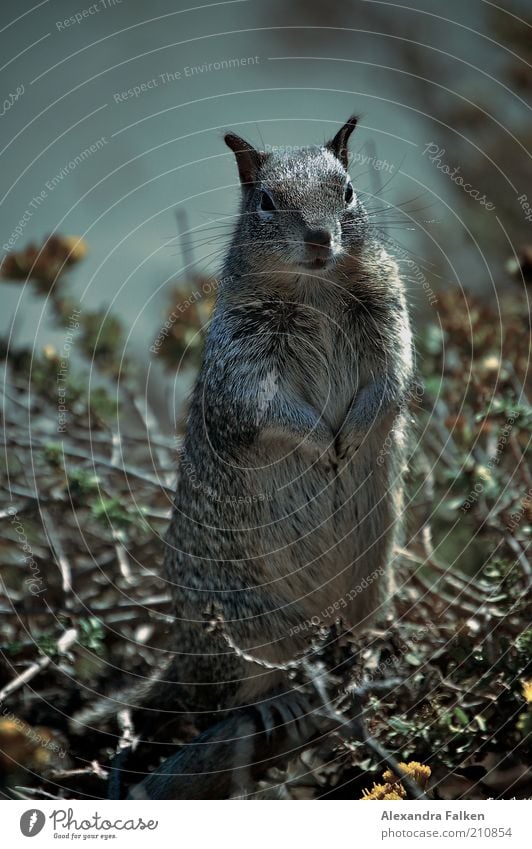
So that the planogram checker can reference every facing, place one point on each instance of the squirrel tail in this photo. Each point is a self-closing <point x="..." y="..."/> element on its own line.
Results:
<point x="227" y="757"/>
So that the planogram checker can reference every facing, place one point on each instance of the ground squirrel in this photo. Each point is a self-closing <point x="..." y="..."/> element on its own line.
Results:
<point x="286" y="500"/>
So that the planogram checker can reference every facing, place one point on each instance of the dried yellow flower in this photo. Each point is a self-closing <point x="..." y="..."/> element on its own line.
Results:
<point x="491" y="363"/>
<point x="527" y="690"/>
<point x="392" y="789"/>
<point x="385" y="792"/>
<point x="50" y="352"/>
<point x="76" y="246"/>
<point x="377" y="792"/>
<point x="44" y="263"/>
<point x="419" y="772"/>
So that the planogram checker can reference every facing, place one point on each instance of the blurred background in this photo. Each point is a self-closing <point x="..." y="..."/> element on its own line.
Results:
<point x="117" y="198"/>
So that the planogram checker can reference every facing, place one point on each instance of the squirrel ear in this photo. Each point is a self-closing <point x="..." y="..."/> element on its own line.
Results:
<point x="248" y="158"/>
<point x="338" y="145"/>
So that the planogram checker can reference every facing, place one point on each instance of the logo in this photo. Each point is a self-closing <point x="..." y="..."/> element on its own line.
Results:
<point x="32" y="822"/>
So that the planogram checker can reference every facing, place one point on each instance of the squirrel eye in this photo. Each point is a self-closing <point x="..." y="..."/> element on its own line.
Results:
<point x="266" y="202"/>
<point x="348" y="197"/>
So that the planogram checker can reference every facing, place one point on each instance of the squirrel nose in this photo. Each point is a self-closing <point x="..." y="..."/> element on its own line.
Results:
<point x="319" y="238"/>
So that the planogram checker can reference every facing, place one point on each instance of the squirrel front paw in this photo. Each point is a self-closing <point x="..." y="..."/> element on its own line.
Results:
<point x="347" y="446"/>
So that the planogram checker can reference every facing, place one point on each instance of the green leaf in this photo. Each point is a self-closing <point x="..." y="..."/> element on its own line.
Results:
<point x="461" y="716"/>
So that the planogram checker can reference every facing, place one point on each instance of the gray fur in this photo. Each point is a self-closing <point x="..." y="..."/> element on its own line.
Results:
<point x="316" y="513"/>
<point x="281" y="508"/>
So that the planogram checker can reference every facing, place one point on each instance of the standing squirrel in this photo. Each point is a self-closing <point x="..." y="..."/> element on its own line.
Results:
<point x="286" y="498"/>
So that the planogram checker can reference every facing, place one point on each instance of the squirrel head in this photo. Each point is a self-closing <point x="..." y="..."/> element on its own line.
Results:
<point x="300" y="212"/>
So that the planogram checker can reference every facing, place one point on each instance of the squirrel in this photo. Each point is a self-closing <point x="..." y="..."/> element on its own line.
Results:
<point x="286" y="499"/>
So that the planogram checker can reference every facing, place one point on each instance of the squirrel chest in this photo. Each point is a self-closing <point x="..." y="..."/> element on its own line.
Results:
<point x="322" y="355"/>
